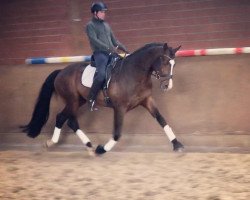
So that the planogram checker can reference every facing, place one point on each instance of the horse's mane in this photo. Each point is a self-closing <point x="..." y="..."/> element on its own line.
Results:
<point x="146" y="46"/>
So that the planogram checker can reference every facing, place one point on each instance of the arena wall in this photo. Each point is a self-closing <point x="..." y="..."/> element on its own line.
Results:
<point x="56" y="27"/>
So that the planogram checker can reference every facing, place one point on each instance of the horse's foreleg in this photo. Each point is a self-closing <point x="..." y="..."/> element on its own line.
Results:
<point x="150" y="105"/>
<point x="118" y="122"/>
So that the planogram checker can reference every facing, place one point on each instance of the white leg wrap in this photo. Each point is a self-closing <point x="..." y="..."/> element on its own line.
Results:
<point x="111" y="143"/>
<point x="56" y="135"/>
<point x="82" y="136"/>
<point x="169" y="133"/>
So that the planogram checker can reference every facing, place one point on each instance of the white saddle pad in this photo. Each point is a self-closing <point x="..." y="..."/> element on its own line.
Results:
<point x="88" y="76"/>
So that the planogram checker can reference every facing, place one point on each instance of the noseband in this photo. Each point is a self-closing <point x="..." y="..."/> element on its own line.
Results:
<point x="168" y="78"/>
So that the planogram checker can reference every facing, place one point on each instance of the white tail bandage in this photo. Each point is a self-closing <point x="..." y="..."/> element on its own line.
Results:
<point x="56" y="135"/>
<point x="111" y="143"/>
<point x="169" y="133"/>
<point x="82" y="136"/>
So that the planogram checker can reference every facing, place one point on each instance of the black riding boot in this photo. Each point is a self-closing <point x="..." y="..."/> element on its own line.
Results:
<point x="97" y="85"/>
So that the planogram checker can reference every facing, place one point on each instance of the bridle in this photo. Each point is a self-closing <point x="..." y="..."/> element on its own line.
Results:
<point x="168" y="78"/>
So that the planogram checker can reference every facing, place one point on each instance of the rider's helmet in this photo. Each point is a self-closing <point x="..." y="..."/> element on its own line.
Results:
<point x="99" y="6"/>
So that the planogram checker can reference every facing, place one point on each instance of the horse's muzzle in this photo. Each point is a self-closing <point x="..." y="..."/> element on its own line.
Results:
<point x="167" y="83"/>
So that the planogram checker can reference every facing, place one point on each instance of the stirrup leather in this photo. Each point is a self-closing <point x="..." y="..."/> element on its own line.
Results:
<point x="92" y="105"/>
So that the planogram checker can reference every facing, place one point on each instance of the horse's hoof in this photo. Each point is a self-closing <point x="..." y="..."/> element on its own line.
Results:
<point x="100" y="150"/>
<point x="179" y="150"/>
<point x="49" y="143"/>
<point x="177" y="146"/>
<point x="91" y="151"/>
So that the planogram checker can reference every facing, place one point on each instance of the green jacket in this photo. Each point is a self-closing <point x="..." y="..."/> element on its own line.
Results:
<point x="101" y="36"/>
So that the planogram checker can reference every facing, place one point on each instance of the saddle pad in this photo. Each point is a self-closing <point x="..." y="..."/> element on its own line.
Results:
<point x="88" y="76"/>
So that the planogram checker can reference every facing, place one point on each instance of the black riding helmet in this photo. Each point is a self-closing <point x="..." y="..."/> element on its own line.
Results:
<point x="99" y="6"/>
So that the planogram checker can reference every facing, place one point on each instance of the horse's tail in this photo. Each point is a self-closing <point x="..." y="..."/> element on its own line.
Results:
<point x="41" y="111"/>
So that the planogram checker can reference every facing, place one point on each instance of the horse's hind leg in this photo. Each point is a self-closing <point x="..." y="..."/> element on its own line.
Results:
<point x="149" y="104"/>
<point x="60" y="120"/>
<point x="118" y="122"/>
<point x="74" y="125"/>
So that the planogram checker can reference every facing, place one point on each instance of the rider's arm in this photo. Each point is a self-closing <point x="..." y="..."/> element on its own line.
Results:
<point x="116" y="43"/>
<point x="93" y="38"/>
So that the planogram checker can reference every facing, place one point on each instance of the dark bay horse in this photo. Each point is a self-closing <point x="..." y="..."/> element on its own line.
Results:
<point x="130" y="86"/>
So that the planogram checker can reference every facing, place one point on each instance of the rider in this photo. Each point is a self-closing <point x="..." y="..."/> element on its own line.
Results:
<point x="103" y="44"/>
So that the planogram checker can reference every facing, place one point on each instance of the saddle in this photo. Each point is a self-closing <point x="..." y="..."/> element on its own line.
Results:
<point x="89" y="73"/>
<point x="113" y="58"/>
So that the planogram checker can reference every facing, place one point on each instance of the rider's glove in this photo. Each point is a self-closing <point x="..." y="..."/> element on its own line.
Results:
<point x="122" y="48"/>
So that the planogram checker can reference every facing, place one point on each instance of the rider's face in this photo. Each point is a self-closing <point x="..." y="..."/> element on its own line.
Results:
<point x="101" y="15"/>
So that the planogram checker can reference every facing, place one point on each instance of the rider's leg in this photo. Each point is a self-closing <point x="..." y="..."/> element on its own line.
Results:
<point x="97" y="85"/>
<point x="101" y="61"/>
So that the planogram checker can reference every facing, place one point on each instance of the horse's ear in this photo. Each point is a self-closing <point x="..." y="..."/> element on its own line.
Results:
<point x="165" y="47"/>
<point x="177" y="49"/>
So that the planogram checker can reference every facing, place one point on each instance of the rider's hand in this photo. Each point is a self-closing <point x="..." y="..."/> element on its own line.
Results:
<point x="122" y="49"/>
<point x="114" y="51"/>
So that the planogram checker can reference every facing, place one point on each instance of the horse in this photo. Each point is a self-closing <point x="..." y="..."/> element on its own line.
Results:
<point x="130" y="86"/>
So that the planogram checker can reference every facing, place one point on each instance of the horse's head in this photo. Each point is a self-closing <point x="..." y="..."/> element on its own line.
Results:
<point x="163" y="66"/>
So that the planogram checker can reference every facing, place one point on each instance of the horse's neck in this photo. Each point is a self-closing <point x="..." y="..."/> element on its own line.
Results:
<point x="137" y="67"/>
<point x="144" y="60"/>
